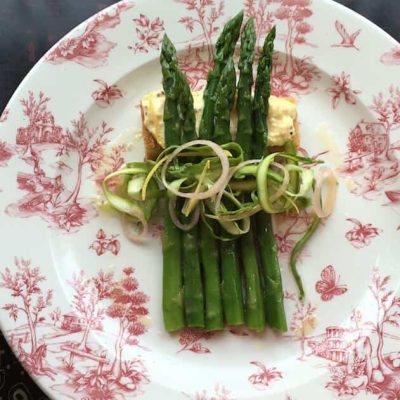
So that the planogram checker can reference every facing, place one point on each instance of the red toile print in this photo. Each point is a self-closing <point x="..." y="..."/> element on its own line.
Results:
<point x="103" y="244"/>
<point x="361" y="234"/>
<point x="4" y="115"/>
<point x="105" y="95"/>
<point x="392" y="57"/>
<point x="329" y="285"/>
<point x="129" y="308"/>
<point x="90" y="48"/>
<point x="149" y="34"/>
<point x="24" y="281"/>
<point x="191" y="340"/>
<point x="49" y="196"/>
<point x="303" y="322"/>
<point x="6" y="152"/>
<point x="203" y="21"/>
<point x="289" y="229"/>
<point x="361" y="366"/>
<point x="263" y="18"/>
<point x="372" y="159"/>
<point x="88" y="368"/>
<point x="220" y="393"/>
<point x="341" y="88"/>
<point x="293" y="75"/>
<point x="109" y="159"/>
<point x="264" y="377"/>
<point x="347" y="40"/>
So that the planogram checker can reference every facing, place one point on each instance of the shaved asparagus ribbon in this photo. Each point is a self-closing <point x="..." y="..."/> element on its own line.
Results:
<point x="203" y="172"/>
<point x="219" y="152"/>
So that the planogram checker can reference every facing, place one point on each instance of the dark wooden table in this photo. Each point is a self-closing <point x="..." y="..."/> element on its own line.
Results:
<point x="28" y="28"/>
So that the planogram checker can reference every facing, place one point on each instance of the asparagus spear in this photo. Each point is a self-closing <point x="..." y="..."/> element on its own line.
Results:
<point x="224" y="100"/>
<point x="173" y="310"/>
<point x="275" y="311"/>
<point x="190" y="257"/>
<point x="212" y="292"/>
<point x="225" y="47"/>
<point x="244" y="100"/>
<point x="254" y="312"/>
<point x="231" y="280"/>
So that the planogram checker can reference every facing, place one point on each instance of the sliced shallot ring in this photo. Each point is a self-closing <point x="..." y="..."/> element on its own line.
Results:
<point x="230" y="176"/>
<point x="184" y="227"/>
<point x="282" y="189"/>
<point x="129" y="233"/>
<point x="325" y="176"/>
<point x="219" y="152"/>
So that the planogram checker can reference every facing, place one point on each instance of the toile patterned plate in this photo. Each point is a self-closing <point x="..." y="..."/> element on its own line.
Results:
<point x="75" y="119"/>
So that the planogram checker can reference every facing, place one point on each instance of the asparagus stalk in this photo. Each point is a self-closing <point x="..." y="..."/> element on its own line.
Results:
<point x="224" y="50"/>
<point x="231" y="280"/>
<point x="274" y="301"/>
<point x="225" y="47"/>
<point x="190" y="257"/>
<point x="173" y="310"/>
<point x="214" y="319"/>
<point x="254" y="311"/>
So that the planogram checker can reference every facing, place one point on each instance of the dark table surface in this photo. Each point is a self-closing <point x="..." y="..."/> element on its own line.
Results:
<point x="28" y="28"/>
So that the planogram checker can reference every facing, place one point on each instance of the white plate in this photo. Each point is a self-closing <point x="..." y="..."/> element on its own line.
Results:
<point x="69" y="123"/>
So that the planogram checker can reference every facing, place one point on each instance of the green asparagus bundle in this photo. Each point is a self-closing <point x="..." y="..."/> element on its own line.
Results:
<point x="254" y="313"/>
<point x="274" y="300"/>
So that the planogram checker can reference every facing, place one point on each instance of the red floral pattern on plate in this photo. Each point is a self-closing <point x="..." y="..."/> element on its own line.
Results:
<point x="48" y="196"/>
<point x="191" y="340"/>
<point x="263" y="379"/>
<point x="91" y="48"/>
<point x="341" y="88"/>
<point x="392" y="57"/>
<point x="361" y="234"/>
<point x="6" y="152"/>
<point x="94" y="299"/>
<point x="24" y="282"/>
<point x="361" y="366"/>
<point x="103" y="244"/>
<point x="371" y="159"/>
<point x="149" y="34"/>
<point x="220" y="393"/>
<point x="198" y="58"/>
<point x="106" y="95"/>
<point x="329" y="286"/>
<point x="347" y="39"/>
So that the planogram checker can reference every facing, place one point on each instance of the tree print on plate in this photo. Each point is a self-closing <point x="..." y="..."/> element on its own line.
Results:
<point x="105" y="95"/>
<point x="348" y="40"/>
<point x="341" y="89"/>
<point x="361" y="365"/>
<point x="55" y="196"/>
<point x="372" y="160"/>
<point x="90" y="48"/>
<point x="392" y="57"/>
<point x="62" y="347"/>
<point x="203" y="20"/>
<point x="29" y="303"/>
<point x="329" y="286"/>
<point x="192" y="340"/>
<point x="149" y="34"/>
<point x="104" y="244"/>
<point x="264" y="377"/>
<point x="361" y="235"/>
